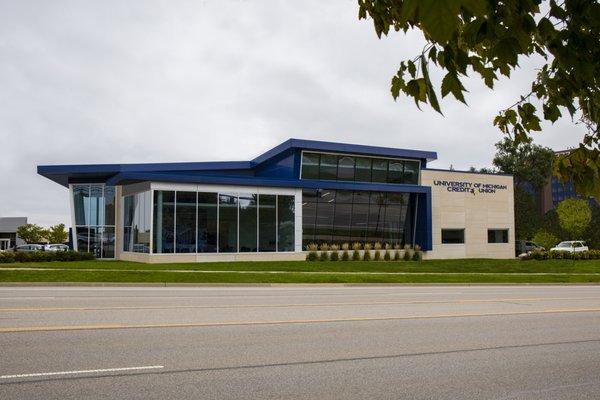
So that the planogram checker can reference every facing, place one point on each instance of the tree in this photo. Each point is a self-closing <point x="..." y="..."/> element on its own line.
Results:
<point x="487" y="38"/>
<point x="545" y="239"/>
<point x="527" y="215"/>
<point x="574" y="216"/>
<point x="528" y="163"/>
<point x="32" y="233"/>
<point x="57" y="234"/>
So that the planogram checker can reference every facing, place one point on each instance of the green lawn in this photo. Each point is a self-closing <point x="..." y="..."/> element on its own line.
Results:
<point x="434" y="271"/>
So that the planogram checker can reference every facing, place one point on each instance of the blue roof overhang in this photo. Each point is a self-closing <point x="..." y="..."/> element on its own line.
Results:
<point x="192" y="171"/>
<point x="65" y="174"/>
<point x="317" y="145"/>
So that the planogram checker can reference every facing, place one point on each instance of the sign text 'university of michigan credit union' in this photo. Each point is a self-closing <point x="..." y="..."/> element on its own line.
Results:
<point x="469" y="187"/>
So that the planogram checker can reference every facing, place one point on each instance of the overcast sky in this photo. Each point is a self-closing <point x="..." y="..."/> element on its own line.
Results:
<point x="167" y="81"/>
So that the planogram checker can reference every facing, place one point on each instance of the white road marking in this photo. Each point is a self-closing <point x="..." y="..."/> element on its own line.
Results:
<point x="88" y="371"/>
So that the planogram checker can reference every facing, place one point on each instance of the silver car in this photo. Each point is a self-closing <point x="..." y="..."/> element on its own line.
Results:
<point x="29" y="248"/>
<point x="56" y="247"/>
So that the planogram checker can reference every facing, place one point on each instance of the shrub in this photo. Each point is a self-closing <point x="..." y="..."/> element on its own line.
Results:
<point x="334" y="256"/>
<point x="396" y="252"/>
<point x="407" y="253"/>
<point x="324" y="252"/>
<point x="44" y="256"/>
<point x="367" y="253"/>
<point x="356" y="246"/>
<point x="312" y="252"/>
<point x="345" y="255"/>
<point x="377" y="251"/>
<point x="545" y="239"/>
<point x="386" y="254"/>
<point x="417" y="254"/>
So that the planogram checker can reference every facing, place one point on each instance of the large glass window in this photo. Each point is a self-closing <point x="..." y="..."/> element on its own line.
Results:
<point x="285" y="223"/>
<point x="185" y="227"/>
<point x="94" y="209"/>
<point x="207" y="222"/>
<point x="345" y="217"/>
<point x="248" y="220"/>
<point x="363" y="170"/>
<point x="267" y="222"/>
<point x="395" y="171"/>
<point x="96" y="205"/>
<point x="164" y="221"/>
<point x="136" y="224"/>
<point x="81" y="204"/>
<point x="342" y="217"/>
<point x="310" y="166"/>
<point x="497" y="235"/>
<point x="328" y="167"/>
<point x="345" y="170"/>
<point x="228" y="223"/>
<point x="411" y="172"/>
<point x="379" y="171"/>
<point x="342" y="167"/>
<point x="453" y="236"/>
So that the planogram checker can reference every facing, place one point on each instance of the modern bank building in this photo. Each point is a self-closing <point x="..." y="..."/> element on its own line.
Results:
<point x="272" y="207"/>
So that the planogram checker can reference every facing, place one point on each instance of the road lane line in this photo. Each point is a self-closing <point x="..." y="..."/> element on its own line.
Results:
<point x="86" y="371"/>
<point x="412" y="302"/>
<point x="51" y="328"/>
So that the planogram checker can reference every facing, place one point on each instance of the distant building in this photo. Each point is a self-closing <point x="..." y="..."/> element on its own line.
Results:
<point x="8" y="232"/>
<point x="555" y="191"/>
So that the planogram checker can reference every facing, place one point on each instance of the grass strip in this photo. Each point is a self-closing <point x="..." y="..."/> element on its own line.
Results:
<point x="74" y="276"/>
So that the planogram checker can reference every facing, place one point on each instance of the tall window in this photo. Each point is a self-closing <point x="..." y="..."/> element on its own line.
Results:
<point x="342" y="167"/>
<point x="207" y="222"/>
<point x="185" y="226"/>
<point x="248" y="226"/>
<point x="164" y="222"/>
<point x="94" y="210"/>
<point x="267" y="222"/>
<point x="345" y="168"/>
<point x="136" y="224"/>
<point x="228" y="223"/>
<point x="285" y="223"/>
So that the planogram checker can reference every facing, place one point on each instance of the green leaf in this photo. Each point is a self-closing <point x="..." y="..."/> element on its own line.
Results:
<point x="475" y="7"/>
<point x="433" y="101"/>
<point x="451" y="84"/>
<point x="551" y="112"/>
<point x="439" y="18"/>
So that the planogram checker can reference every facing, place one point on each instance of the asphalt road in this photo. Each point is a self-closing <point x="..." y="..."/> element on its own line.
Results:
<point x="308" y="342"/>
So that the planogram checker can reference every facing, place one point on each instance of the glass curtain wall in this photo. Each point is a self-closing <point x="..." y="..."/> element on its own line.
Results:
<point x="341" y="167"/>
<point x="342" y="216"/>
<point x="188" y="222"/>
<point x="94" y="211"/>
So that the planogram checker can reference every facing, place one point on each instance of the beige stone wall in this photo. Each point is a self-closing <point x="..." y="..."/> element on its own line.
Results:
<point x="465" y="206"/>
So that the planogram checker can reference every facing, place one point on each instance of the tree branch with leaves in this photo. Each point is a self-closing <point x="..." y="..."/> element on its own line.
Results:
<point x="487" y="38"/>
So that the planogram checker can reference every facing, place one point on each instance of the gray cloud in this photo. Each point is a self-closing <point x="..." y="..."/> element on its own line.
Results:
<point x="158" y="81"/>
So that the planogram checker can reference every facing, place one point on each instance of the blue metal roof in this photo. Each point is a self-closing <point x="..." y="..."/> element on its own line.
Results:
<point x="251" y="172"/>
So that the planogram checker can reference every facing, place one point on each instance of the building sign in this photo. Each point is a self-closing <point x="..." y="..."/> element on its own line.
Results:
<point x="469" y="187"/>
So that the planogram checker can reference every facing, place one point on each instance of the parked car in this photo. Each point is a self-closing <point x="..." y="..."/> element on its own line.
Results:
<point x="29" y="248"/>
<point x="56" y="247"/>
<point x="526" y="247"/>
<point x="572" y="246"/>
